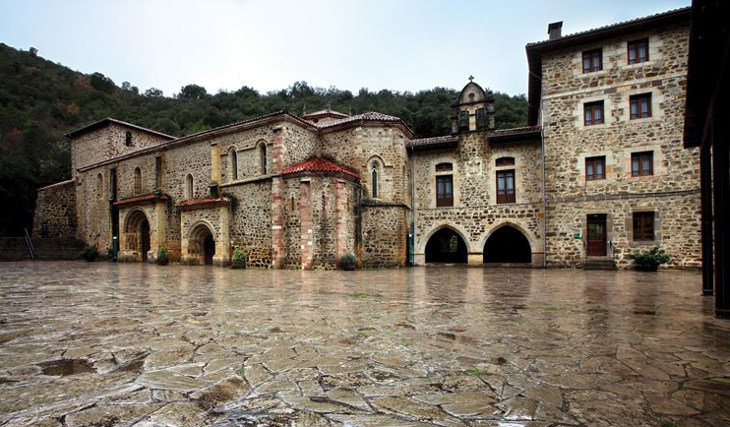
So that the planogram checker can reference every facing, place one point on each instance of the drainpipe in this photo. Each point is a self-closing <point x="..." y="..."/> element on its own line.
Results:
<point x="544" y="192"/>
<point x="413" y="206"/>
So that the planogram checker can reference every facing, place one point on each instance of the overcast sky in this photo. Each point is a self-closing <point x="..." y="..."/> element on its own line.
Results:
<point x="268" y="45"/>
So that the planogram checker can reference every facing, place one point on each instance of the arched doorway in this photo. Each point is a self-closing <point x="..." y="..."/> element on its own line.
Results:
<point x="446" y="246"/>
<point x="137" y="233"/>
<point x="507" y="245"/>
<point x="202" y="245"/>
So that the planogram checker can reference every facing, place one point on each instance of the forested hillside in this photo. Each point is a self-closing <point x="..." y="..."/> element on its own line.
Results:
<point x="41" y="100"/>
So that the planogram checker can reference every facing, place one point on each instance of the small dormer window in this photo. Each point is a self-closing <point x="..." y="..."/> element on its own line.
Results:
<point x="128" y="139"/>
<point x="464" y="120"/>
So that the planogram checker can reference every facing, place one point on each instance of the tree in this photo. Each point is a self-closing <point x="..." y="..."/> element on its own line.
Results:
<point x="126" y="86"/>
<point x="192" y="91"/>
<point x="153" y="92"/>
<point x="102" y="83"/>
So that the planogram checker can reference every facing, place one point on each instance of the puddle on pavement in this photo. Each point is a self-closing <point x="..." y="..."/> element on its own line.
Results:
<point x="64" y="367"/>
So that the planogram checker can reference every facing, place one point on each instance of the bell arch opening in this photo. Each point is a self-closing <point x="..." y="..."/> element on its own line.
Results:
<point x="446" y="246"/>
<point x="137" y="233"/>
<point x="202" y="245"/>
<point x="507" y="245"/>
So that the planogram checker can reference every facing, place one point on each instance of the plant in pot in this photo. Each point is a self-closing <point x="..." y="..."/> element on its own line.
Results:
<point x="348" y="261"/>
<point x="239" y="259"/>
<point x="650" y="260"/>
<point x="162" y="256"/>
<point x="90" y="253"/>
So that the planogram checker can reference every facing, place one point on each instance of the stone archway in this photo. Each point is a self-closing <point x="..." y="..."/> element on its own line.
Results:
<point x="201" y="245"/>
<point x="507" y="244"/>
<point x="137" y="235"/>
<point x="446" y="246"/>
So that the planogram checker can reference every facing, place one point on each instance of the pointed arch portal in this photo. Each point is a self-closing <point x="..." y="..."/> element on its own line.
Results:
<point x="446" y="246"/>
<point x="507" y="245"/>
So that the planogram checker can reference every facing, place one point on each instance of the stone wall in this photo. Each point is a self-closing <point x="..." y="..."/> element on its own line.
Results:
<point x="251" y="220"/>
<point x="109" y="142"/>
<point x="384" y="234"/>
<point x="55" y="211"/>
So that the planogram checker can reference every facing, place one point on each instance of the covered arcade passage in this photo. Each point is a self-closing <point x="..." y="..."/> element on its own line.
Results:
<point x="507" y="245"/>
<point x="446" y="246"/>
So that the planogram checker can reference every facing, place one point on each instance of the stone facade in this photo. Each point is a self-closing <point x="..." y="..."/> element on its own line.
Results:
<point x="300" y="192"/>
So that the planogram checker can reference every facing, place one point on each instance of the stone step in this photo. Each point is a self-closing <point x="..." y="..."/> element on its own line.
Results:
<point x="600" y="263"/>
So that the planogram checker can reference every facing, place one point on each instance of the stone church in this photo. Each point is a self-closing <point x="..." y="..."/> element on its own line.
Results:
<point x="598" y="173"/>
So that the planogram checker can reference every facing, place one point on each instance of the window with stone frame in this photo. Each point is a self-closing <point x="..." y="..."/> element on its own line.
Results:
<point x="506" y="186"/>
<point x="595" y="168"/>
<point x="189" y="188"/>
<point x="643" y="226"/>
<point x="505" y="161"/>
<point x="482" y="119"/>
<point x="137" y="181"/>
<point x="374" y="180"/>
<point x="640" y="106"/>
<point x="128" y="139"/>
<point x="232" y="164"/>
<point x="592" y="60"/>
<point x="444" y="190"/>
<point x="263" y="168"/>
<point x="593" y="113"/>
<point x="463" y="120"/>
<point x="642" y="164"/>
<point x="638" y="51"/>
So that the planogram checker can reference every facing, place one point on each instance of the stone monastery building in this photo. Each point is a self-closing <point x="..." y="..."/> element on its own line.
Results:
<point x="599" y="173"/>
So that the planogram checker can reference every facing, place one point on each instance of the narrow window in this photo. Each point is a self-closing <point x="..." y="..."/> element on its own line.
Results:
<point x="137" y="181"/>
<point x="593" y="113"/>
<point x="463" y="120"/>
<point x="505" y="161"/>
<point x="506" y="186"/>
<point x="595" y="168"/>
<point x="262" y="158"/>
<point x="638" y="51"/>
<point x="643" y="226"/>
<point x="640" y="106"/>
<point x="642" y="164"/>
<point x="158" y="172"/>
<point x="444" y="190"/>
<point x="291" y="205"/>
<point x="374" y="181"/>
<point x="324" y="203"/>
<point x="128" y="139"/>
<point x="481" y="118"/>
<point x="100" y="186"/>
<point x="592" y="60"/>
<point x="444" y="167"/>
<point x="189" y="190"/>
<point x="232" y="164"/>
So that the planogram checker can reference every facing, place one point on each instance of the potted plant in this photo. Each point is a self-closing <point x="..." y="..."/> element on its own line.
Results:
<point x="649" y="260"/>
<point x="90" y="253"/>
<point x="239" y="259"/>
<point x="348" y="261"/>
<point x="162" y="256"/>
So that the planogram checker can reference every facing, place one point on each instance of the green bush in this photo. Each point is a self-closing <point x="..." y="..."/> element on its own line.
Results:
<point x="162" y="256"/>
<point x="348" y="261"/>
<point x="90" y="253"/>
<point x="650" y="260"/>
<point x="240" y="259"/>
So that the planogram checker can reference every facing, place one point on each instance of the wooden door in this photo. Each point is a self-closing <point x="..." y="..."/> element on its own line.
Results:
<point x="596" y="235"/>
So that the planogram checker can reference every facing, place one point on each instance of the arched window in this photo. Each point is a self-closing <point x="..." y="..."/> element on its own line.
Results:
<point x="232" y="165"/>
<point x="137" y="180"/>
<point x="374" y="180"/>
<point x="262" y="158"/>
<point x="324" y="203"/>
<point x="100" y="186"/>
<point x="189" y="190"/>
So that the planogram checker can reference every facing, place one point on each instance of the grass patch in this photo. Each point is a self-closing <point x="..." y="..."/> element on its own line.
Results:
<point x="474" y="372"/>
<point x="360" y="295"/>
<point x="667" y="423"/>
<point x="239" y="372"/>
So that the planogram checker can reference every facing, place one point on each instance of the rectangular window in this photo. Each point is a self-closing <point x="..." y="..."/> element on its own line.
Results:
<point x="592" y="60"/>
<point x="158" y="173"/>
<point x="640" y="106"/>
<point x="642" y="164"/>
<point x="644" y="226"/>
<point x="638" y="51"/>
<point x="464" y="120"/>
<point x="595" y="168"/>
<point x="506" y="186"/>
<point x="481" y="118"/>
<point x="593" y="113"/>
<point x="444" y="190"/>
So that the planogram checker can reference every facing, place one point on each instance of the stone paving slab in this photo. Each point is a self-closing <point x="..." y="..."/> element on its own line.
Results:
<point x="131" y="344"/>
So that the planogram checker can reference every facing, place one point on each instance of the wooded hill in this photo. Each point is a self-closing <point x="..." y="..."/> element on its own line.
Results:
<point x="41" y="100"/>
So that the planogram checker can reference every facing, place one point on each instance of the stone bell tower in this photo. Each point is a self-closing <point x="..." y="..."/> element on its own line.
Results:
<point x="473" y="110"/>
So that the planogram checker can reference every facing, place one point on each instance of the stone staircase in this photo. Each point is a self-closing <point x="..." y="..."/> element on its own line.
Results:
<point x="45" y="249"/>
<point x="600" y="263"/>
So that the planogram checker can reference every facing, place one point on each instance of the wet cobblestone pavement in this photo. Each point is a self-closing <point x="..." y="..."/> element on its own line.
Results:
<point x="107" y="344"/>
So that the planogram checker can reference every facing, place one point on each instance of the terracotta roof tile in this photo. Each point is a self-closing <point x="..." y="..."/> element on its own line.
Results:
<point x="435" y="140"/>
<point x="200" y="203"/>
<point x="56" y="185"/>
<point x="371" y="116"/>
<point x="516" y="131"/>
<point x="107" y="120"/>
<point x="141" y="200"/>
<point x="319" y="164"/>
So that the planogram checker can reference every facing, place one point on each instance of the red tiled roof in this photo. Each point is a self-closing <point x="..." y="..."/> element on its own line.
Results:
<point x="141" y="200"/>
<point x="319" y="164"/>
<point x="200" y="203"/>
<point x="58" y="184"/>
<point x="516" y="131"/>
<point x="371" y="116"/>
<point x="436" y="140"/>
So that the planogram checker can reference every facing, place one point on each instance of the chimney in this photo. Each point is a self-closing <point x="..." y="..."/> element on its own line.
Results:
<point x="555" y="30"/>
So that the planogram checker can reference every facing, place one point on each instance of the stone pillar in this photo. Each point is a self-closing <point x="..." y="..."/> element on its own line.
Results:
<point x="222" y="241"/>
<point x="278" y="149"/>
<point x="340" y="219"/>
<point x="305" y="224"/>
<point x="475" y="259"/>
<point x="277" y="199"/>
<point x="215" y="163"/>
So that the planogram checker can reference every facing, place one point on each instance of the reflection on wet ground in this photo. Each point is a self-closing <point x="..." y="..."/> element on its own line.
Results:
<point x="108" y="344"/>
